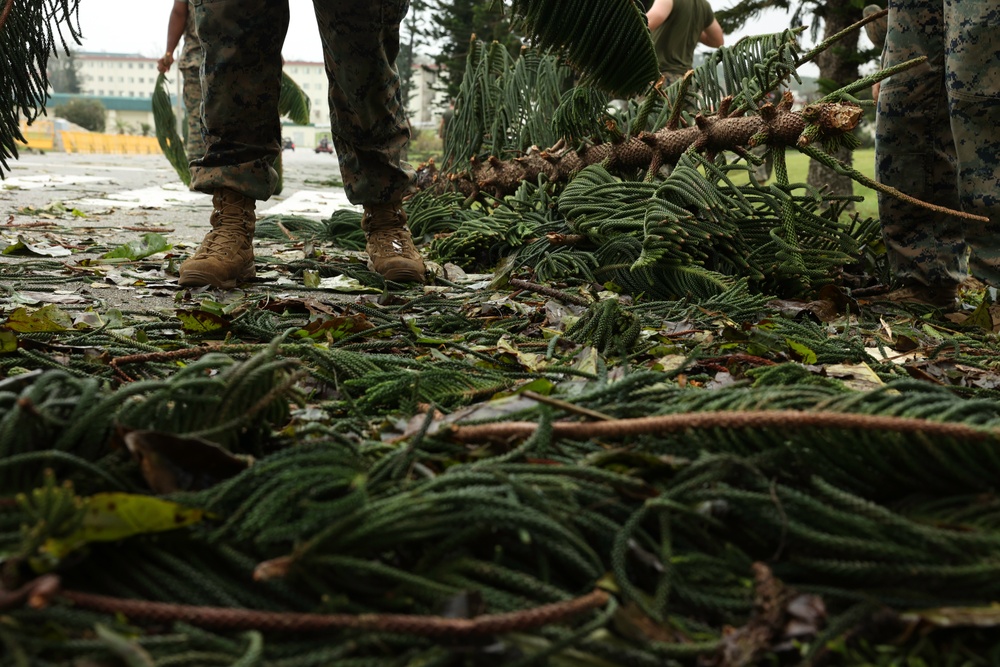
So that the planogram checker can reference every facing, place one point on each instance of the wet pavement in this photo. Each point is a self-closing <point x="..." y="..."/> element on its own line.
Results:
<point x="60" y="212"/>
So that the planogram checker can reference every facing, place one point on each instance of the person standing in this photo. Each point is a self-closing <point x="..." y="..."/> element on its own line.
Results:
<point x="241" y="75"/>
<point x="181" y="23"/>
<point x="677" y="27"/>
<point x="936" y="139"/>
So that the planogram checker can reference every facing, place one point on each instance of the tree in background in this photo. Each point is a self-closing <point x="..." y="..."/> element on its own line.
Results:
<point x="413" y="36"/>
<point x="89" y="114"/>
<point x="838" y="65"/>
<point x="452" y="25"/>
<point x="122" y="126"/>
<point x="64" y="73"/>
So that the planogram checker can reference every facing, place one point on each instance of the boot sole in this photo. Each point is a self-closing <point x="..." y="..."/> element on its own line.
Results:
<point x="200" y="279"/>
<point x="400" y="275"/>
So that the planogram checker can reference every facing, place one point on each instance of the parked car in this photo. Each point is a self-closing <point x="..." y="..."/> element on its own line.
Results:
<point x="287" y="144"/>
<point x="324" y="146"/>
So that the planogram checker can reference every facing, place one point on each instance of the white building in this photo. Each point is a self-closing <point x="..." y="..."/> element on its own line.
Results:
<point x="120" y="75"/>
<point x="116" y="74"/>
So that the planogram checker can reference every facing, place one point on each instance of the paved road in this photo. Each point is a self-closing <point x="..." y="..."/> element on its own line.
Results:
<point x="63" y="203"/>
<point x="118" y="191"/>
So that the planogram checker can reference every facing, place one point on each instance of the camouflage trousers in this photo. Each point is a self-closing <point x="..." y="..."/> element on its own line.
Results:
<point x="241" y="78"/>
<point x="194" y="143"/>
<point x="936" y="140"/>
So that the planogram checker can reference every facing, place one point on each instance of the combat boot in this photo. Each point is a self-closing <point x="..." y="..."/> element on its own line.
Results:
<point x="942" y="297"/>
<point x="225" y="257"/>
<point x="390" y="248"/>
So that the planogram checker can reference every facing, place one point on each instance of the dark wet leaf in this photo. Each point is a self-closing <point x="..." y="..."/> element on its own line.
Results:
<point x="172" y="463"/>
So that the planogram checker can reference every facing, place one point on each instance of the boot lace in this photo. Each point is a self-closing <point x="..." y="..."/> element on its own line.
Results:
<point x="229" y="232"/>
<point x="391" y="241"/>
<point x="223" y="240"/>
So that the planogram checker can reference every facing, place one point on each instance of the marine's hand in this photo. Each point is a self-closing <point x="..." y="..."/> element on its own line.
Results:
<point x="164" y="63"/>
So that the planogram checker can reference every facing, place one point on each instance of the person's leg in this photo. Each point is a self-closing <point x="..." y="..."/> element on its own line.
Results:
<point x="972" y="65"/>
<point x="914" y="153"/>
<point x="194" y="146"/>
<point x="369" y="125"/>
<point x="241" y="81"/>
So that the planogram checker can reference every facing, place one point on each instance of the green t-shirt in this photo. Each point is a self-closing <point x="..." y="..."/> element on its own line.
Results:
<point x="677" y="38"/>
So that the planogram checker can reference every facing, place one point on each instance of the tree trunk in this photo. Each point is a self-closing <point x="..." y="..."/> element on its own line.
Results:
<point x="838" y="66"/>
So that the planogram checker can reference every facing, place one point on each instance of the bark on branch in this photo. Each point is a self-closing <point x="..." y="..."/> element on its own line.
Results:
<point x="775" y="126"/>
<point x="725" y="419"/>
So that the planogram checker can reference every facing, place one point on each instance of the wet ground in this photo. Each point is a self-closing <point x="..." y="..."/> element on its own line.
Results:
<point x="60" y="212"/>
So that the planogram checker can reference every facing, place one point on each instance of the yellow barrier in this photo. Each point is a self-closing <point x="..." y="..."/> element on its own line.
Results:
<point x="40" y="135"/>
<point x="119" y="144"/>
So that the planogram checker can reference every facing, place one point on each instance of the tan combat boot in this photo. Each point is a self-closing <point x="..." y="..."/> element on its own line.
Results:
<point x="390" y="248"/>
<point x="225" y="257"/>
<point x="943" y="297"/>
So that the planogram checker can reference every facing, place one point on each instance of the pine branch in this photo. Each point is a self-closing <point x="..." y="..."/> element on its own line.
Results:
<point x="608" y="40"/>
<point x="165" y="126"/>
<point x="29" y="33"/>
<point x="293" y="101"/>
<point x="426" y="626"/>
<point x="712" y="135"/>
<point x="754" y="420"/>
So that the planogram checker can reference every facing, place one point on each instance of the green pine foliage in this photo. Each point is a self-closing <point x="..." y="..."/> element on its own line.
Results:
<point x="29" y="33"/>
<point x="165" y="124"/>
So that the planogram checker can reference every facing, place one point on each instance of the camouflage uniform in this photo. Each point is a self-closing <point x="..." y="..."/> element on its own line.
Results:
<point x="241" y="81"/>
<point x="189" y="65"/>
<point x="936" y="140"/>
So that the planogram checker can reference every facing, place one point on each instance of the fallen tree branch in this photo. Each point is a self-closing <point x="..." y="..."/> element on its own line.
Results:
<point x="224" y="618"/>
<point x="782" y="127"/>
<point x="726" y="419"/>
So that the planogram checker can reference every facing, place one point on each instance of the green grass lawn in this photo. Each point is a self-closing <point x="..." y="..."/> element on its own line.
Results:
<point x="864" y="161"/>
<point x="427" y="145"/>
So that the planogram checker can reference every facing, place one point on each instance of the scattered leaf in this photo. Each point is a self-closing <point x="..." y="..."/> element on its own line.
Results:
<point x="47" y="318"/>
<point x="110" y="517"/>
<point x="23" y="247"/>
<point x="199" y="321"/>
<point x="172" y="463"/>
<point x="146" y="245"/>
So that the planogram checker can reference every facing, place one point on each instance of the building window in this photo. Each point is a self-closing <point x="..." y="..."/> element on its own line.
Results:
<point x="100" y="92"/>
<point x="130" y="65"/>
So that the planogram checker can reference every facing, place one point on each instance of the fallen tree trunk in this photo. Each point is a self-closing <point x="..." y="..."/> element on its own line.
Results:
<point x="775" y="126"/>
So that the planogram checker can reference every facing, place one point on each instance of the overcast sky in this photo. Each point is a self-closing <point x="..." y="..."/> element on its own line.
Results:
<point x="140" y="27"/>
